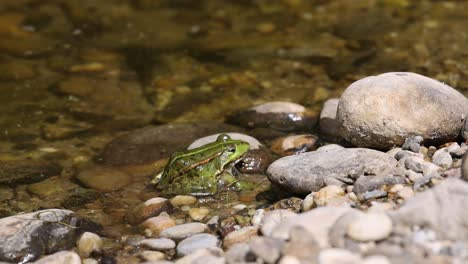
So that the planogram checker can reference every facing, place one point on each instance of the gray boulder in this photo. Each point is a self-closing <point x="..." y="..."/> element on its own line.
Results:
<point x="382" y="111"/>
<point x="310" y="171"/>
<point x="25" y="237"/>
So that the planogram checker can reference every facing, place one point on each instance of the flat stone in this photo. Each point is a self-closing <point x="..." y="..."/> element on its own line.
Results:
<point x="243" y="235"/>
<point x="311" y="171"/>
<point x="158" y="244"/>
<point x="180" y="200"/>
<point x="368" y="117"/>
<point x="104" y="179"/>
<point x="370" y="227"/>
<point x="183" y="231"/>
<point x="366" y="184"/>
<point x="195" y="242"/>
<point x="281" y="116"/>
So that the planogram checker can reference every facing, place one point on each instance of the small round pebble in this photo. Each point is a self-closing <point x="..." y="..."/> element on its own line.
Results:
<point x="242" y="235"/>
<point x="273" y="218"/>
<point x="150" y="255"/>
<point x="158" y="224"/>
<point x="308" y="202"/>
<point x="88" y="243"/>
<point x="181" y="200"/>
<point x="195" y="242"/>
<point x="182" y="231"/>
<point x="442" y="158"/>
<point x="158" y="243"/>
<point x="328" y="193"/>
<point x="370" y="227"/>
<point x="198" y="214"/>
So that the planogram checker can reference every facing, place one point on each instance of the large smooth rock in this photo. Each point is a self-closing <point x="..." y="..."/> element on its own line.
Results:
<point x="310" y="171"/>
<point x="25" y="237"/>
<point x="443" y="209"/>
<point x="382" y="111"/>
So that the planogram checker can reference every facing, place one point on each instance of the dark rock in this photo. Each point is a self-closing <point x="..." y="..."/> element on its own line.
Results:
<point x="25" y="237"/>
<point x="414" y="165"/>
<point x="254" y="161"/>
<point x="282" y="116"/>
<point x="328" y="126"/>
<point x="152" y="143"/>
<point x="13" y="172"/>
<point x="464" y="168"/>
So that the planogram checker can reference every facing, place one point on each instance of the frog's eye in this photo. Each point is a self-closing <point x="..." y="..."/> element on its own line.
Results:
<point x="231" y="149"/>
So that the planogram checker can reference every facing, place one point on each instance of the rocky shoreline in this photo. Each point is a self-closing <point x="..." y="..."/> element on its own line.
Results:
<point x="392" y="189"/>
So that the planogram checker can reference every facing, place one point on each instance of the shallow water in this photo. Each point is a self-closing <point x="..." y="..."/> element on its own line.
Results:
<point x="76" y="74"/>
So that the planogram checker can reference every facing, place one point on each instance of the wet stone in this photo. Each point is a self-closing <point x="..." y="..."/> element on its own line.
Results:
<point x="104" y="179"/>
<point x="294" y="144"/>
<point x="282" y="116"/>
<point x="153" y="143"/>
<point x="328" y="125"/>
<point x="13" y="172"/>
<point x="149" y="208"/>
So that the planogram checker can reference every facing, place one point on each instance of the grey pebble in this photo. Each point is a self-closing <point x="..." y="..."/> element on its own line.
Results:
<point x="442" y="158"/>
<point x="195" y="242"/>
<point x="158" y="244"/>
<point x="182" y="231"/>
<point x="372" y="195"/>
<point x="413" y="144"/>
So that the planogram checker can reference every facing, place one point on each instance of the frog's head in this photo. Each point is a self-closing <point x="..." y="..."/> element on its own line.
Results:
<point x="233" y="149"/>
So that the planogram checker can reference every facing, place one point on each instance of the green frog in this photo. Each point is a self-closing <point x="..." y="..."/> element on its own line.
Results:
<point x="201" y="171"/>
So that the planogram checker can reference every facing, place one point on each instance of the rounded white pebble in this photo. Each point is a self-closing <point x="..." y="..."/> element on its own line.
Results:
<point x="370" y="227"/>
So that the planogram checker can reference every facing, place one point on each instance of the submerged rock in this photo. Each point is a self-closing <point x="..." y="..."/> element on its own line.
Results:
<point x="382" y="111"/>
<point x="282" y="116"/>
<point x="13" y="172"/>
<point x="153" y="143"/>
<point x="311" y="171"/>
